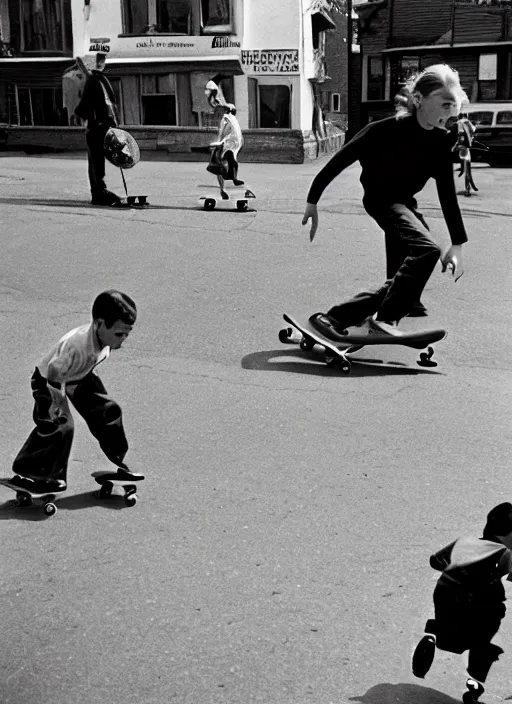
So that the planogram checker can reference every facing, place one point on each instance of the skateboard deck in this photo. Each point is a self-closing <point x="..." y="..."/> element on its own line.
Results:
<point x="336" y="352"/>
<point x="24" y="497"/>
<point x="108" y="480"/>
<point x="240" y="195"/>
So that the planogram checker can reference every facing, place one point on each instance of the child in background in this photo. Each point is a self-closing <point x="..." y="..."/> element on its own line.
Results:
<point x="468" y="600"/>
<point x="398" y="155"/>
<point x="66" y="372"/>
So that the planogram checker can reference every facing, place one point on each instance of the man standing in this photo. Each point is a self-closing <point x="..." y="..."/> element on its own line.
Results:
<point x="97" y="107"/>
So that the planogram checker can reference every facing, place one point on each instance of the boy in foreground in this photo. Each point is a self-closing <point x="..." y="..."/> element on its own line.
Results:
<point x="66" y="372"/>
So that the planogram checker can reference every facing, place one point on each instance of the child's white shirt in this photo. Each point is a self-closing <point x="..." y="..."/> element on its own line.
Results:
<point x="74" y="356"/>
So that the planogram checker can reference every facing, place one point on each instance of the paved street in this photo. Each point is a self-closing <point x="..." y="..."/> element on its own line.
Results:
<point x="279" y="550"/>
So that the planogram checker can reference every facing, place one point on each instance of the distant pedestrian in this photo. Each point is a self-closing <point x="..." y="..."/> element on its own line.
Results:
<point x="97" y="106"/>
<point x="398" y="155"/>
<point x="67" y="372"/>
<point x="468" y="600"/>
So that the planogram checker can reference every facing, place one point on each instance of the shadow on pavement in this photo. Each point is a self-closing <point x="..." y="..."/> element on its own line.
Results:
<point x="403" y="694"/>
<point x="60" y="203"/>
<point x="72" y="502"/>
<point x="314" y="365"/>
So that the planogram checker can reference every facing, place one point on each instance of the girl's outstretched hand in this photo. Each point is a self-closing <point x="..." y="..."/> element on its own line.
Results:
<point x="311" y="212"/>
<point x="453" y="260"/>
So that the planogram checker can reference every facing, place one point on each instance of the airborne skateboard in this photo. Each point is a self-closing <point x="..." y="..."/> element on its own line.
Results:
<point x="336" y="353"/>
<point x="240" y="195"/>
<point x="24" y="497"/>
<point x="108" y="480"/>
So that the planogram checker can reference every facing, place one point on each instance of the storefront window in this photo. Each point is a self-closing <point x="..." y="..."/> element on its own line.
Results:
<point x="39" y="106"/>
<point x="189" y="17"/>
<point x="375" y="90"/>
<point x="274" y="106"/>
<point x="216" y="16"/>
<point x="41" y="25"/>
<point x="174" y="16"/>
<point x="158" y="96"/>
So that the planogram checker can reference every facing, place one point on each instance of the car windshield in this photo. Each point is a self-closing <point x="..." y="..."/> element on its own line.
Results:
<point x="504" y="117"/>
<point x="481" y="118"/>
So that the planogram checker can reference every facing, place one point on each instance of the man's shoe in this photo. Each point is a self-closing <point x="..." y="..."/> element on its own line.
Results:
<point x="106" y="198"/>
<point x="328" y="327"/>
<point x="384" y="328"/>
<point x="424" y="656"/>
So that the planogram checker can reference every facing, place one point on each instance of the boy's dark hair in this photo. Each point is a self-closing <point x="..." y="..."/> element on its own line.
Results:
<point x="113" y="305"/>
<point x="499" y="521"/>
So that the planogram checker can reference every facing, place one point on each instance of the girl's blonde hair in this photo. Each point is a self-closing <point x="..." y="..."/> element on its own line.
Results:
<point x="426" y="82"/>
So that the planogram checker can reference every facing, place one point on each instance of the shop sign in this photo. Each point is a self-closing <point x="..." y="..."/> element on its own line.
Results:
<point x="271" y="61"/>
<point x="176" y="46"/>
<point x="100" y="44"/>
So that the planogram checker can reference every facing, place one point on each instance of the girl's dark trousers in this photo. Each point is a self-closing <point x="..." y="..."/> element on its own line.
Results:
<point x="414" y="255"/>
<point x="46" y="451"/>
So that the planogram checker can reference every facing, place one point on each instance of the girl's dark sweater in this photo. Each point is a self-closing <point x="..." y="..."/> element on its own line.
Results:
<point x="397" y="158"/>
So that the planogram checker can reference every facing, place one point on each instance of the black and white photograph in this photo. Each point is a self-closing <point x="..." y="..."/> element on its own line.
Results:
<point x="255" y="359"/>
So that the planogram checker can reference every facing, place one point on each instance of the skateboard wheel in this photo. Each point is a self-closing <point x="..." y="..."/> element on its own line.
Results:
<point x="23" y="500"/>
<point x="241" y="205"/>
<point x="50" y="509"/>
<point x="285" y="334"/>
<point x="131" y="500"/>
<point x="106" y="490"/>
<point x="209" y="204"/>
<point x="306" y="344"/>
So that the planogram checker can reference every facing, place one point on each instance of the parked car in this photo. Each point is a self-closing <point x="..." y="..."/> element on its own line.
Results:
<point x="493" y="122"/>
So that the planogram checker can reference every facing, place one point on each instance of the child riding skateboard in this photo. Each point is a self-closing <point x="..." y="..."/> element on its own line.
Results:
<point x="398" y="155"/>
<point x="66" y="372"/>
<point x="468" y="600"/>
<point x="224" y="158"/>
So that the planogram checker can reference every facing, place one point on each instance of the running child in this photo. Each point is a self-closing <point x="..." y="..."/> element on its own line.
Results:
<point x="398" y="155"/>
<point x="468" y="600"/>
<point x="66" y="372"/>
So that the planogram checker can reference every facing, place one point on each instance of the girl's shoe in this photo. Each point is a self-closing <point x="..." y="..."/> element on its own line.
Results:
<point x="474" y="692"/>
<point x="328" y="327"/>
<point x="423" y="656"/>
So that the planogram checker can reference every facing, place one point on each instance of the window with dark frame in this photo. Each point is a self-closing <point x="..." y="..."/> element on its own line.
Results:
<point x="274" y="106"/>
<point x="215" y="15"/>
<point x="186" y="17"/>
<point x="376" y="82"/>
<point x="41" y="26"/>
<point x="158" y="97"/>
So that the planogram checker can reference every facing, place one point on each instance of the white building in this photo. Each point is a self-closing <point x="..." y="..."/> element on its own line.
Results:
<point x="160" y="55"/>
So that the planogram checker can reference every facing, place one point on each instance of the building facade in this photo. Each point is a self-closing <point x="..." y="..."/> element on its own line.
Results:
<point x="268" y="56"/>
<point x="400" y="37"/>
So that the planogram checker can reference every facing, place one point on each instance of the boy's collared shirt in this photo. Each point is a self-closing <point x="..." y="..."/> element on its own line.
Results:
<point x="75" y="355"/>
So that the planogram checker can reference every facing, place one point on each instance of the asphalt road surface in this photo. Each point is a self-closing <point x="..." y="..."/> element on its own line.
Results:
<point x="279" y="550"/>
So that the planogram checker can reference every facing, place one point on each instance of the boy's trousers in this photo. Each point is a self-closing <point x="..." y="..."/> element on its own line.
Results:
<point x="416" y="255"/>
<point x="46" y="451"/>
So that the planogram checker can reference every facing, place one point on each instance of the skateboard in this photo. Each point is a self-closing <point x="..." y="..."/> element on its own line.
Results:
<point x="240" y="195"/>
<point x="336" y="353"/>
<point x="24" y="497"/>
<point x="108" y="480"/>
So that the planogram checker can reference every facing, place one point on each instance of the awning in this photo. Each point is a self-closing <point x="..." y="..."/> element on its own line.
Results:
<point x="321" y="21"/>
<point x="33" y="72"/>
<point x="229" y="65"/>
